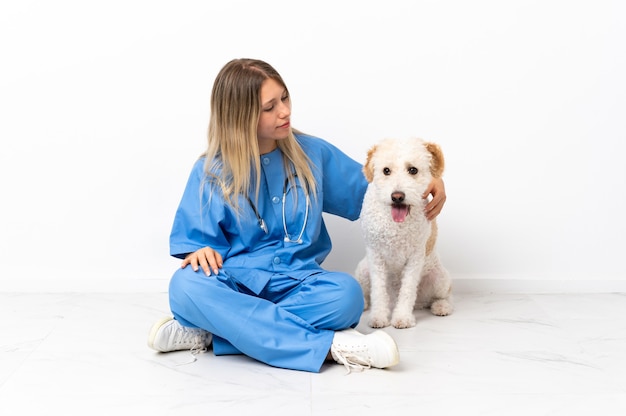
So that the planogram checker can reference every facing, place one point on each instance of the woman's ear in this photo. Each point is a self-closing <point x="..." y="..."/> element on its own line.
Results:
<point x="368" y="169"/>
<point x="437" y="162"/>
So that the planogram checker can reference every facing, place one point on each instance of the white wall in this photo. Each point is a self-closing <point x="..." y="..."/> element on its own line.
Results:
<point x="104" y="107"/>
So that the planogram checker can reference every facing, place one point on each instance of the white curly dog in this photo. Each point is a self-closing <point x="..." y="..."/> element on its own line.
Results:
<point x="401" y="265"/>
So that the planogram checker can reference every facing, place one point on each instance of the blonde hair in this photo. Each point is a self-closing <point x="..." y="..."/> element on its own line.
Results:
<point x="232" y="155"/>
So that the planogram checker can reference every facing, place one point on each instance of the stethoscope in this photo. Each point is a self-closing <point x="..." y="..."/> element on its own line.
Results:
<point x="288" y="238"/>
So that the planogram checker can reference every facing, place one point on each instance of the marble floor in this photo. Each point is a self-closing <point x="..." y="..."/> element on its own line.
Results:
<point x="498" y="354"/>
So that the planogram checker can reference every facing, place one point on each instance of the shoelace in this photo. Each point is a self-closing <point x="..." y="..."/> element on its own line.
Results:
<point x="199" y="347"/>
<point x="350" y="360"/>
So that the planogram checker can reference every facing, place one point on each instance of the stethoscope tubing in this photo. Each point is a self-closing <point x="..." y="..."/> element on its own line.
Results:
<point x="288" y="238"/>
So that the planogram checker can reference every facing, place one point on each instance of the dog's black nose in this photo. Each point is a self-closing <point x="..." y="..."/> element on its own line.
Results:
<point x="397" y="197"/>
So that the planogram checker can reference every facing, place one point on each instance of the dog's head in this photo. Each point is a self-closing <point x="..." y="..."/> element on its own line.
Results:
<point x="400" y="170"/>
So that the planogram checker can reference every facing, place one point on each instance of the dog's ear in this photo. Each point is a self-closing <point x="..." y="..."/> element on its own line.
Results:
<point x="368" y="169"/>
<point x="437" y="162"/>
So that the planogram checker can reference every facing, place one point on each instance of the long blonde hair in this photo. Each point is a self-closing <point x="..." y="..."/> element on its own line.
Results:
<point x="232" y="155"/>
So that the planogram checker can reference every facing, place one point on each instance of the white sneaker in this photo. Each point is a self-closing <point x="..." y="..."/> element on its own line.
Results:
<point x="357" y="351"/>
<point x="168" y="335"/>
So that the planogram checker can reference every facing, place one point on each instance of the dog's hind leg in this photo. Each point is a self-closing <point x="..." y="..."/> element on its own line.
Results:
<point x="435" y="291"/>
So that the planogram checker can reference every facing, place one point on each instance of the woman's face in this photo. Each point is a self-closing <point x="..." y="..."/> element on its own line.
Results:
<point x="275" y="114"/>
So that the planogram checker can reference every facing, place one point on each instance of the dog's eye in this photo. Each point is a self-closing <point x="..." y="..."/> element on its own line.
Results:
<point x="386" y="171"/>
<point x="412" y="170"/>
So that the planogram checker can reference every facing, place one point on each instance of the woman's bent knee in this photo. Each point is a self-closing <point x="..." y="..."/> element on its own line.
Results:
<point x="181" y="281"/>
<point x="345" y="298"/>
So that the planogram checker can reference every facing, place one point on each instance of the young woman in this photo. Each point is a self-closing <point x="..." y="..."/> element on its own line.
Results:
<point x="250" y="231"/>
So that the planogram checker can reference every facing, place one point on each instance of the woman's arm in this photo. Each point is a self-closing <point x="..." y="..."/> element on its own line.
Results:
<point x="197" y="237"/>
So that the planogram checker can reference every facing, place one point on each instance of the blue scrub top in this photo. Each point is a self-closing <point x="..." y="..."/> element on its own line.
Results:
<point x="251" y="256"/>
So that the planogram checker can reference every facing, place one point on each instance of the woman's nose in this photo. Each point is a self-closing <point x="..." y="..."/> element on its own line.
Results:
<point x="284" y="110"/>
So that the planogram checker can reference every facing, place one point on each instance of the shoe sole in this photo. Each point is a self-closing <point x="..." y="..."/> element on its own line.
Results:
<point x="154" y="330"/>
<point x="392" y="359"/>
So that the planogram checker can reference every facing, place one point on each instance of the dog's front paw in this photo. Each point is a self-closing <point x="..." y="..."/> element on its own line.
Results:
<point x="378" y="321"/>
<point x="404" y="321"/>
<point x="441" y="307"/>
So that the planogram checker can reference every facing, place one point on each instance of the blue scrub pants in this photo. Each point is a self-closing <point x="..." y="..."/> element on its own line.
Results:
<point x="289" y="324"/>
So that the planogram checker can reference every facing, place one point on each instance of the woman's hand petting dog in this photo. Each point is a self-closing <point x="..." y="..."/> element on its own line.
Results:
<point x="438" y="190"/>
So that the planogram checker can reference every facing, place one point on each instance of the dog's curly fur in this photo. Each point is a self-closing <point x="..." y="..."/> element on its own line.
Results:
<point x="401" y="266"/>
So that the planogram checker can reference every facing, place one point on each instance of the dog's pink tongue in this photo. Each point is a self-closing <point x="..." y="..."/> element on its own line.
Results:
<point x="399" y="212"/>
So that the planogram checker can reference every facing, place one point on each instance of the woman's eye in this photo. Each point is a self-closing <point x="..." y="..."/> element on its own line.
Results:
<point x="386" y="171"/>
<point x="268" y="109"/>
<point x="285" y="98"/>
<point x="412" y="170"/>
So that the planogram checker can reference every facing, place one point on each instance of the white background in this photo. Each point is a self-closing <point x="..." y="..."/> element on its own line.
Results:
<point x="104" y="107"/>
